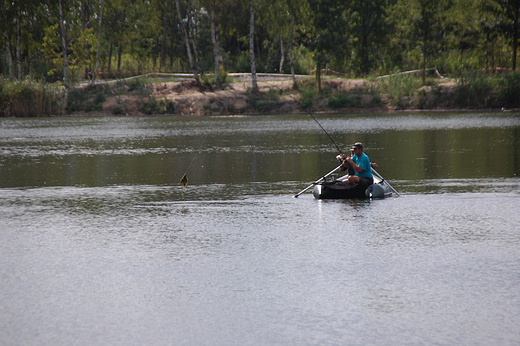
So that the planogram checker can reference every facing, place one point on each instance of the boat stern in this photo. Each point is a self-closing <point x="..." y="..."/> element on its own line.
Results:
<point x="317" y="191"/>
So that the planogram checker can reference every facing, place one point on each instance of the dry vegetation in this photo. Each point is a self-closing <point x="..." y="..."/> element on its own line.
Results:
<point x="185" y="98"/>
<point x="475" y="91"/>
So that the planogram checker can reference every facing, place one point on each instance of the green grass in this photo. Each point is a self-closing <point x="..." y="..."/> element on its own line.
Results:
<point x="479" y="90"/>
<point x="397" y="87"/>
<point x="30" y="98"/>
<point x="337" y="98"/>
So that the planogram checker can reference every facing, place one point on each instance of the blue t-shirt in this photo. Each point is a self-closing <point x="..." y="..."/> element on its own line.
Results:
<point x="364" y="162"/>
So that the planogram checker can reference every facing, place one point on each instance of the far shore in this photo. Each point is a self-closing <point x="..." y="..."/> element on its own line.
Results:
<point x="278" y="97"/>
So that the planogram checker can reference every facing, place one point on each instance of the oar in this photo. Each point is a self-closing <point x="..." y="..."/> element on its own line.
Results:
<point x="383" y="179"/>
<point x="317" y="181"/>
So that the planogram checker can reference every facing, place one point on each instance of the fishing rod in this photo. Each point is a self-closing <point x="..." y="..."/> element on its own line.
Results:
<point x="335" y="169"/>
<point x="337" y="147"/>
<point x="309" y="113"/>
<point x="339" y="150"/>
<point x="317" y="122"/>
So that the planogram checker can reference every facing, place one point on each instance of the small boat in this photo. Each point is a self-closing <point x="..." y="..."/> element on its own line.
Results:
<point x="337" y="189"/>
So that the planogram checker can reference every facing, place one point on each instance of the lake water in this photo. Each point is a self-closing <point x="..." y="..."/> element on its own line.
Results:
<point x="99" y="245"/>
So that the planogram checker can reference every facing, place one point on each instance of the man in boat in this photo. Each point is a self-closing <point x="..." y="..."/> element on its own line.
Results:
<point x="350" y="169"/>
<point x="360" y="163"/>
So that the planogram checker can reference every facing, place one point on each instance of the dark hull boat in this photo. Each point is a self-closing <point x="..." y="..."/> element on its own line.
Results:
<point x="337" y="189"/>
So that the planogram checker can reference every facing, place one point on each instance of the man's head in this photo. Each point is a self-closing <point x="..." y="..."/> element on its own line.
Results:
<point x="357" y="148"/>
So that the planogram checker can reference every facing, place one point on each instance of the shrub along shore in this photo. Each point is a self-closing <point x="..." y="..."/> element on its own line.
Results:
<point x="476" y="90"/>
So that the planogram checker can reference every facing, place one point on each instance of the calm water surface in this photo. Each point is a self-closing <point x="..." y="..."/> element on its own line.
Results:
<point x="99" y="246"/>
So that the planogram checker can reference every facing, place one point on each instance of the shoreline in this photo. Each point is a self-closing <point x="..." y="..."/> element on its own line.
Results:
<point x="274" y="97"/>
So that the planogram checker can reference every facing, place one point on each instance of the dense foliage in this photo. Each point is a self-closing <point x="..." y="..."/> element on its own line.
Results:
<point x="29" y="98"/>
<point x="65" y="39"/>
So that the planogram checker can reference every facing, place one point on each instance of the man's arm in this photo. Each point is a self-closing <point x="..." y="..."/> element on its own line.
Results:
<point x="356" y="167"/>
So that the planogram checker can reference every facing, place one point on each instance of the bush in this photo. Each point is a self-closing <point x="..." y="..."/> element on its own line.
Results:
<point x="400" y="86"/>
<point x="210" y="79"/>
<point x="342" y="101"/>
<point x="151" y="105"/>
<point x="87" y="99"/>
<point x="30" y="98"/>
<point x="308" y="92"/>
<point x="475" y="89"/>
<point x="306" y="103"/>
<point x="510" y="90"/>
<point x="273" y="94"/>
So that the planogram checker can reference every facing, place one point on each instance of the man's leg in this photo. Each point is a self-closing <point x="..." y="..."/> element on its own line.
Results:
<point x="354" y="179"/>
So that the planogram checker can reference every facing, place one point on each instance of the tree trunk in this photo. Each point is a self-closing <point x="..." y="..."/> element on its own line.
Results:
<point x="172" y="52"/>
<point x="252" y="47"/>
<point x="64" y="47"/>
<point x="282" y="53"/>
<point x="155" y="53"/>
<point x="365" y="64"/>
<point x="120" y="47"/>
<point x="516" y="28"/>
<point x="85" y="15"/>
<point x="318" y="76"/>
<point x="110" y="55"/>
<point x="424" y="69"/>
<point x="187" y="42"/>
<point x="493" y="56"/>
<point x="119" y="52"/>
<point x="99" y="41"/>
<point x="193" y="38"/>
<point x="295" y="85"/>
<point x="9" y="55"/>
<point x="216" y="45"/>
<point x="163" y="47"/>
<point x="19" y="48"/>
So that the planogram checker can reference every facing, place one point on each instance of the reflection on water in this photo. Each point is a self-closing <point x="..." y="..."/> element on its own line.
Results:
<point x="99" y="246"/>
<point x="158" y="150"/>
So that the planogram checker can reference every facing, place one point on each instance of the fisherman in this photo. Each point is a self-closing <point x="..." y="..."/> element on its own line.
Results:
<point x="360" y="163"/>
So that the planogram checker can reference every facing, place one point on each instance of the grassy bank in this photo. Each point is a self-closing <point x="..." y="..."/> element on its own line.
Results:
<point x="471" y="91"/>
<point x="30" y="98"/>
<point x="93" y="99"/>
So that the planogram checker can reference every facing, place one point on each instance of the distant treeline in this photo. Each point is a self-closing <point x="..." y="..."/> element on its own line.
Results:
<point x="61" y="40"/>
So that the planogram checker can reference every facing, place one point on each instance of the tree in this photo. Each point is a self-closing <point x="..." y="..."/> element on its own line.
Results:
<point x="68" y="42"/>
<point x="256" y="35"/>
<point x="187" y="42"/>
<point x="368" y="29"/>
<point x="99" y="41"/>
<point x="64" y="44"/>
<point x="428" y="30"/>
<point x="417" y="26"/>
<point x="217" y="50"/>
<point x="294" y="10"/>
<point x="508" y="12"/>
<point x="8" y="13"/>
<point x="328" y="37"/>
<point x="252" y="46"/>
<point x="116" y="13"/>
<point x="12" y="18"/>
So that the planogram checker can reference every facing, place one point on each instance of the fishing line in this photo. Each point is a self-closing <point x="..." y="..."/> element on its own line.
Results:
<point x="339" y="150"/>
<point x="184" y="179"/>
<point x="312" y="116"/>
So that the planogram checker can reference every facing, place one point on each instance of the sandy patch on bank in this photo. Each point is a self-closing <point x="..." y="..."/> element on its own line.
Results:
<point x="186" y="98"/>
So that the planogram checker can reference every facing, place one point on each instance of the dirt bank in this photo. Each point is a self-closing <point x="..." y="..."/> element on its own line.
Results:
<point x="275" y="97"/>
